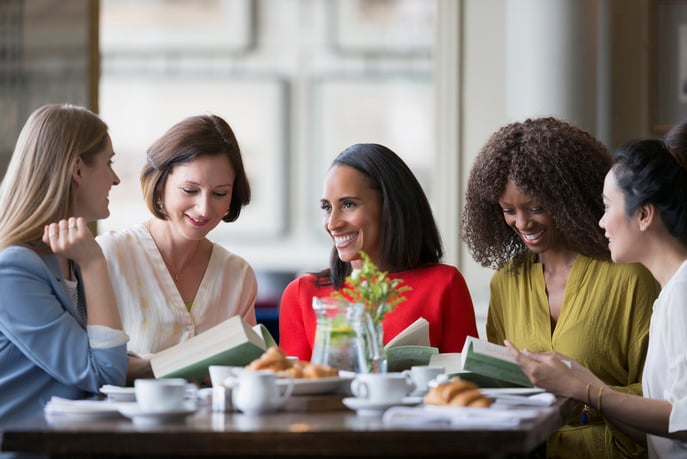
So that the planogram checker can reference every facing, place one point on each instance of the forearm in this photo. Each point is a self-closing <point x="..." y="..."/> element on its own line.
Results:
<point x="100" y="297"/>
<point x="138" y="368"/>
<point x="633" y="413"/>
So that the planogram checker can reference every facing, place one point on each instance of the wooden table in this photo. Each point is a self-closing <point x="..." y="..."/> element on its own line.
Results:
<point x="333" y="433"/>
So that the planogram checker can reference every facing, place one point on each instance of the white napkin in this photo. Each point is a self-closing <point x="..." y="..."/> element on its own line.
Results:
<point x="464" y="418"/>
<point x="541" y="399"/>
<point x="59" y="405"/>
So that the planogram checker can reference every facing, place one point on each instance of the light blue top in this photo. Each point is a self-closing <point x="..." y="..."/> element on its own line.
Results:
<point x="44" y="349"/>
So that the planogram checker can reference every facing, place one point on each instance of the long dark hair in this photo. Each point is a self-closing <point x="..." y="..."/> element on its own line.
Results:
<point x="408" y="235"/>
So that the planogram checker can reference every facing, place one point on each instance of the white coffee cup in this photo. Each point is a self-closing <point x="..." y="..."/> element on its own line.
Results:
<point x="160" y="395"/>
<point x="421" y="375"/>
<point x="381" y="387"/>
<point x="259" y="392"/>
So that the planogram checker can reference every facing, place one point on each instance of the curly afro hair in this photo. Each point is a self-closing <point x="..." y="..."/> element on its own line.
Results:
<point x="550" y="160"/>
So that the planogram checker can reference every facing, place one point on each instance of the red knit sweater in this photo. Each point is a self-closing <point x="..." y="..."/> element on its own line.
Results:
<point x="439" y="294"/>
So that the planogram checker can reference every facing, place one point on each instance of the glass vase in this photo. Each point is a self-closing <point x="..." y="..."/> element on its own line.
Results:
<point x="337" y="342"/>
<point x="375" y="355"/>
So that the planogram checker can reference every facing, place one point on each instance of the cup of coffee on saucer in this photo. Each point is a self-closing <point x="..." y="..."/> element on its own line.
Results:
<point x="375" y="392"/>
<point x="160" y="401"/>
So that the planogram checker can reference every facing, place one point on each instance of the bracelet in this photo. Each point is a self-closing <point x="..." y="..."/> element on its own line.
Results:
<point x="601" y="391"/>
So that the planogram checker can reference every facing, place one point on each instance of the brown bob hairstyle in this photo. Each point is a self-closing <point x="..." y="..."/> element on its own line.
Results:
<point x="203" y="135"/>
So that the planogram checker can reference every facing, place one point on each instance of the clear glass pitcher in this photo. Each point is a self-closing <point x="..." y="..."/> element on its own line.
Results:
<point x="345" y="337"/>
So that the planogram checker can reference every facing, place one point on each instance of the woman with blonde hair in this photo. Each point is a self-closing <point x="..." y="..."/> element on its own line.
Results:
<point x="60" y="332"/>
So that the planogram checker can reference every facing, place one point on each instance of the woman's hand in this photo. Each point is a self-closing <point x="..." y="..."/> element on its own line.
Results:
<point x="72" y="239"/>
<point x="555" y="373"/>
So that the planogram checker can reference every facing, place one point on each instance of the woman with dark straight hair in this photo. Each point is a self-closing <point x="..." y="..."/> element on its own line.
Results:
<point x="372" y="202"/>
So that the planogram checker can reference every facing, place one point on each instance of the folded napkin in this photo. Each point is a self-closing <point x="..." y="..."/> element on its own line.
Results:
<point x="541" y="399"/>
<point x="64" y="406"/>
<point x="460" y="417"/>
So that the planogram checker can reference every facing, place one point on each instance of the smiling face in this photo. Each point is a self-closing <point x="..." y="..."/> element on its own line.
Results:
<point x="94" y="181"/>
<point x="526" y="216"/>
<point x="620" y="231"/>
<point x="351" y="213"/>
<point x="197" y="194"/>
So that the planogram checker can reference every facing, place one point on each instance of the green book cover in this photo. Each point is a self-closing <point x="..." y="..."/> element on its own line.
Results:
<point x="401" y="358"/>
<point x="232" y="342"/>
<point x="493" y="361"/>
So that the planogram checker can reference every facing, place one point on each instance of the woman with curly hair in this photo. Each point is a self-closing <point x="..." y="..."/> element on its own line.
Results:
<point x="532" y="206"/>
<point x="645" y="220"/>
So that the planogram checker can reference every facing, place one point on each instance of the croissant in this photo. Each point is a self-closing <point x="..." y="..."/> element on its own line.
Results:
<point x="457" y="392"/>
<point x="274" y="359"/>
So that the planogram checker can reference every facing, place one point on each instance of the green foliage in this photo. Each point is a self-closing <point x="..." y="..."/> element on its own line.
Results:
<point x="374" y="289"/>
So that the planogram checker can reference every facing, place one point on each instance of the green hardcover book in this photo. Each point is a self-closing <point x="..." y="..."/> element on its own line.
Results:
<point x="399" y="358"/>
<point x="410" y="347"/>
<point x="493" y="361"/>
<point x="232" y="342"/>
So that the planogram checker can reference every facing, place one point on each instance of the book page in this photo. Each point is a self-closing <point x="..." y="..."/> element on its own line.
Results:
<point x="415" y="334"/>
<point x="491" y="349"/>
<point x="450" y="361"/>
<point x="492" y="360"/>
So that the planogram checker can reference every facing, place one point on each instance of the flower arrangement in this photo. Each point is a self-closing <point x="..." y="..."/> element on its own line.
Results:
<point x="373" y="289"/>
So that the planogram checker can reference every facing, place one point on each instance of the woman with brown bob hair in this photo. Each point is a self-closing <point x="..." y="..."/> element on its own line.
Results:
<point x="532" y="206"/>
<point x="171" y="281"/>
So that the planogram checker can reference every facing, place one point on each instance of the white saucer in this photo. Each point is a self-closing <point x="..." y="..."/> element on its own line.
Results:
<point x="366" y="408"/>
<point x="118" y="393"/>
<point x="140" y="417"/>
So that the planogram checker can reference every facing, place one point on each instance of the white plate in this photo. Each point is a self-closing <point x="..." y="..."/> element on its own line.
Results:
<point x="133" y="412"/>
<point x="119" y="393"/>
<point x="367" y="408"/>
<point x="329" y="385"/>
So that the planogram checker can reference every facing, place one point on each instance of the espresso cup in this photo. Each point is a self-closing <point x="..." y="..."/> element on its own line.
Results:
<point x="421" y="375"/>
<point x="160" y="395"/>
<point x="381" y="387"/>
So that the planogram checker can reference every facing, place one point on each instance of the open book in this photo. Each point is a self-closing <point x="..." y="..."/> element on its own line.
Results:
<point x="232" y="342"/>
<point x="484" y="363"/>
<point x="410" y="347"/>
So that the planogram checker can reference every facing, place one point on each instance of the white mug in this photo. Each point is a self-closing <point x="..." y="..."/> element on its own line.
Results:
<point x="257" y="392"/>
<point x="381" y="387"/>
<point x="161" y="395"/>
<point x="421" y="375"/>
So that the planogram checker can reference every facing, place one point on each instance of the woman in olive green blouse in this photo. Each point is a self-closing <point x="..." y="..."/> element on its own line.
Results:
<point x="532" y="209"/>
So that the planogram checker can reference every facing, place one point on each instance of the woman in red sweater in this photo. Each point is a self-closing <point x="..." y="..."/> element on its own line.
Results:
<point x="371" y="201"/>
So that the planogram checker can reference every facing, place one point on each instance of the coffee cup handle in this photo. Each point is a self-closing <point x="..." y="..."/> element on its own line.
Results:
<point x="360" y="389"/>
<point x="288" y="391"/>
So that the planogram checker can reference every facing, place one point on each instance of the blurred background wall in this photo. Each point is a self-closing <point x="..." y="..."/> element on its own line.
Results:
<point x="300" y="80"/>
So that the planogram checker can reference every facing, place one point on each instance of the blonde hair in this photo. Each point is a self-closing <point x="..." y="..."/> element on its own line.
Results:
<point x="37" y="188"/>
